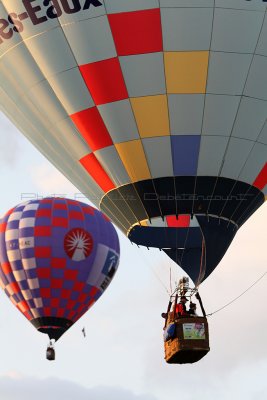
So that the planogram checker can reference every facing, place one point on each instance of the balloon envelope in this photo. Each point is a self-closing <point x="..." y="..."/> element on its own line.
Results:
<point x="57" y="256"/>
<point x="153" y="109"/>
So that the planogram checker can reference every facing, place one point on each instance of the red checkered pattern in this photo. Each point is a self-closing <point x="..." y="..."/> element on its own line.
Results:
<point x="92" y="128"/>
<point x="137" y="32"/>
<point x="261" y="180"/>
<point x="105" y="81"/>
<point x="183" y="221"/>
<point x="36" y="273"/>
<point x="93" y="166"/>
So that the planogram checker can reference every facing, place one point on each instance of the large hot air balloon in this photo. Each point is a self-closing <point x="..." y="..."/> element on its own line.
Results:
<point x="57" y="257"/>
<point x="155" y="109"/>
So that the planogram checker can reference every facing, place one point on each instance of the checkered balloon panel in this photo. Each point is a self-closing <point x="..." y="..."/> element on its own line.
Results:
<point x="57" y="257"/>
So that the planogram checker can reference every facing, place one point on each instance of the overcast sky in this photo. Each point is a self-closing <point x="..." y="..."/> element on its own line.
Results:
<point x="122" y="356"/>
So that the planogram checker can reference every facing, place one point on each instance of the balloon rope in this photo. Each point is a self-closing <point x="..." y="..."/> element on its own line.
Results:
<point x="160" y="281"/>
<point x="170" y="279"/>
<point x="236" y="298"/>
<point x="151" y="266"/>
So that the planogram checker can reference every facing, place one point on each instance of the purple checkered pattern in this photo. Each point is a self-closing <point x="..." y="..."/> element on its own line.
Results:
<point x="38" y="274"/>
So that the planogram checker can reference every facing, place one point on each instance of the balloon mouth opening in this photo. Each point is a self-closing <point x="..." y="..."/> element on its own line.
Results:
<point x="52" y="326"/>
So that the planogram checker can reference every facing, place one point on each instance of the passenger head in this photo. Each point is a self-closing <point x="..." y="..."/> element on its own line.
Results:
<point x="183" y="299"/>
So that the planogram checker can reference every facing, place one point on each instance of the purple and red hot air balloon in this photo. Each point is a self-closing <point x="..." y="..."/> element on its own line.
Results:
<point x="57" y="257"/>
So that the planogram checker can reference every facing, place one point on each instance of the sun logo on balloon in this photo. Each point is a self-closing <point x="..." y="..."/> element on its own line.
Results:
<point x="78" y="244"/>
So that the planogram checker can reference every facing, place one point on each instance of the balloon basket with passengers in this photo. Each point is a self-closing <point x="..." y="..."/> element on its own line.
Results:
<point x="186" y="335"/>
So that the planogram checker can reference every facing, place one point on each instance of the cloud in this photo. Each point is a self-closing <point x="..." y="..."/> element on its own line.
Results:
<point x="207" y="380"/>
<point x="29" y="388"/>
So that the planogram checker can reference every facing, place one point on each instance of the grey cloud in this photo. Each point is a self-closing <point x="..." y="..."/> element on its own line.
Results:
<point x="53" y="389"/>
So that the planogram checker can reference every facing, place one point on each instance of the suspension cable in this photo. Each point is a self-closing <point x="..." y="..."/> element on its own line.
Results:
<point x="150" y="264"/>
<point x="170" y="279"/>
<point x="236" y="298"/>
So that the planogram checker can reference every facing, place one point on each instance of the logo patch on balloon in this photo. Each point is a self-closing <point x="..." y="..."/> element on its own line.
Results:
<point x="39" y="14"/>
<point x="78" y="244"/>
